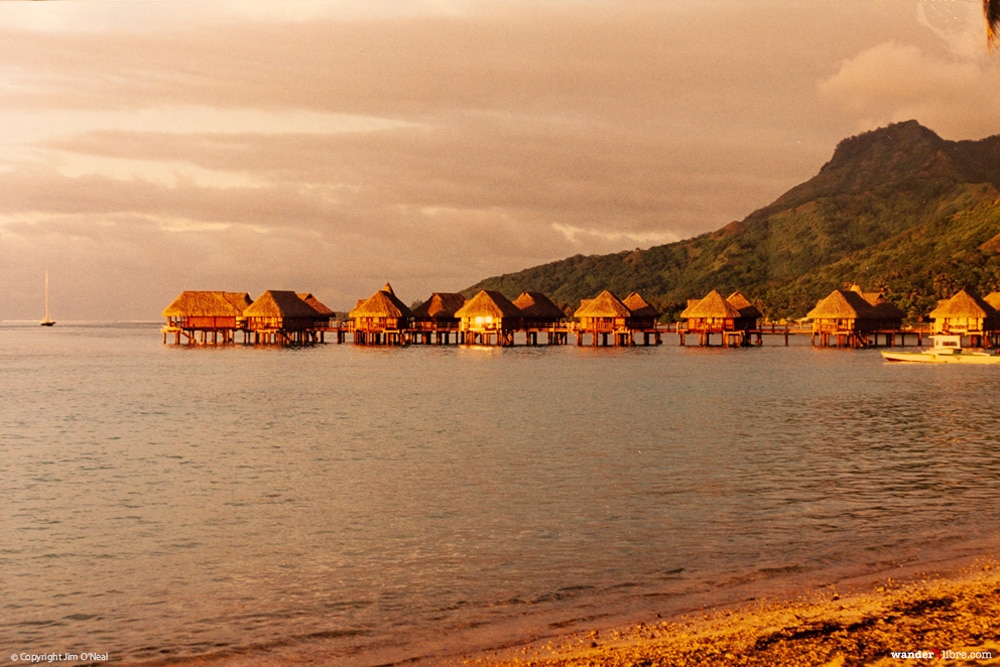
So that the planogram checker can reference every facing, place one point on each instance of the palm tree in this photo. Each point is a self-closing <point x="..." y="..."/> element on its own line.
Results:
<point x="991" y="8"/>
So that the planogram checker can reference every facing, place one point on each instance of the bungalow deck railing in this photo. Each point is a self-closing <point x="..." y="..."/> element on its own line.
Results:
<point x="434" y="326"/>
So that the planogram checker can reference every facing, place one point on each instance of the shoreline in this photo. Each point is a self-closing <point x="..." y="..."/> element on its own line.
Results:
<point x="950" y="603"/>
<point x="927" y="617"/>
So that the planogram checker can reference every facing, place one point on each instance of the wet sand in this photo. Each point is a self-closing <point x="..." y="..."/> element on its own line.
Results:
<point x="950" y="617"/>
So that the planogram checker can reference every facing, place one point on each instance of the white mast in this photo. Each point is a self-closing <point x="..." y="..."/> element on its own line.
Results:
<point x="47" y="322"/>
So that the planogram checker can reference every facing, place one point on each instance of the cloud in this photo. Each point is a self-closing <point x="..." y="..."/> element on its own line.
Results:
<point x="614" y="239"/>
<point x="894" y="82"/>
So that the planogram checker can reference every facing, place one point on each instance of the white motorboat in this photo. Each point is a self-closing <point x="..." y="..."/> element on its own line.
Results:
<point x="946" y="350"/>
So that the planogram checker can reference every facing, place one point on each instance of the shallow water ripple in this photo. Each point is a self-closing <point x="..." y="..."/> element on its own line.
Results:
<point x="178" y="502"/>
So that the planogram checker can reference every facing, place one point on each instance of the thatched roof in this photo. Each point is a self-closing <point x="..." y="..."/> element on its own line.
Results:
<point x="843" y="304"/>
<point x="605" y="304"/>
<point x="691" y="303"/>
<point x="537" y="306"/>
<point x="887" y="311"/>
<point x="870" y="297"/>
<point x="742" y="304"/>
<point x="280" y="303"/>
<point x="383" y="303"/>
<point x="884" y="309"/>
<point x="639" y="306"/>
<point x="712" y="306"/>
<point x="488" y="303"/>
<point x="440" y="305"/>
<point x="993" y="298"/>
<point x="316" y="304"/>
<point x="193" y="303"/>
<point x="964" y="304"/>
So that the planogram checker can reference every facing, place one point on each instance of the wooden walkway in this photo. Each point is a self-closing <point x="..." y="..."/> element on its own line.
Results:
<point x="544" y="336"/>
<point x="868" y="339"/>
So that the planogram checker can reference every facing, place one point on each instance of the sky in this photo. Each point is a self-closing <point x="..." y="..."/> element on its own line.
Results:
<point x="156" y="146"/>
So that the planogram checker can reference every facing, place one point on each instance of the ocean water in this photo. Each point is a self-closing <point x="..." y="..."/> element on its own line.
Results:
<point x="370" y="506"/>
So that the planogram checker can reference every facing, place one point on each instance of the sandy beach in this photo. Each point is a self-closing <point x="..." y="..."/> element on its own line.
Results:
<point x="950" y="617"/>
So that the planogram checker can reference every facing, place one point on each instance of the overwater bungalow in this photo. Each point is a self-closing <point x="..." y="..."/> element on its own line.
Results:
<point x="888" y="317"/>
<point x="643" y="318"/>
<point x="205" y="316"/>
<point x="540" y="314"/>
<point x="853" y="318"/>
<point x="435" y="318"/>
<point x="714" y="314"/>
<point x="750" y="314"/>
<point x="967" y="314"/>
<point x="843" y="317"/>
<point x="280" y="317"/>
<point x="325" y="322"/>
<point x="381" y="319"/>
<point x="488" y="318"/>
<point x="606" y="319"/>
<point x="326" y="314"/>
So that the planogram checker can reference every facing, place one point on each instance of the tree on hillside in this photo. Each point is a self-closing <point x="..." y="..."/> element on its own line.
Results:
<point x="991" y="8"/>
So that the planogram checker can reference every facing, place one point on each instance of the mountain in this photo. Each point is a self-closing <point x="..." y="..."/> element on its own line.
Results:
<point x="898" y="209"/>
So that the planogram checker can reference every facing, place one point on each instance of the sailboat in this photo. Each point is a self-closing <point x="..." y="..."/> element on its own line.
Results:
<point x="48" y="321"/>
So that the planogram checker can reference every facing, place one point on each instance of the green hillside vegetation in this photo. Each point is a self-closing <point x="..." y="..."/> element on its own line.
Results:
<point x="897" y="209"/>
